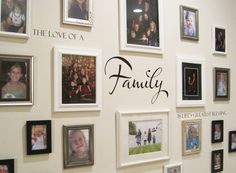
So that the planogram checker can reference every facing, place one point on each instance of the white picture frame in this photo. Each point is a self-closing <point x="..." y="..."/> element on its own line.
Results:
<point x="148" y="44"/>
<point x="173" y="168"/>
<point x="186" y="67"/>
<point x="19" y="29"/>
<point x="219" y="40"/>
<point x="128" y="145"/>
<point x="78" y="14"/>
<point x="84" y="94"/>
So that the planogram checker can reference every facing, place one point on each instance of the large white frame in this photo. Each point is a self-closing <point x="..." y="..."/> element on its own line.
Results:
<point x="124" y="46"/>
<point x="179" y="86"/>
<point x="122" y="121"/>
<point x="58" y="105"/>
<point x="214" y="51"/>
<point x="172" y="166"/>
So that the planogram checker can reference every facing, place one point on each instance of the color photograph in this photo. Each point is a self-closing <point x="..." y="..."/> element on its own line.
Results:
<point x="217" y="157"/>
<point x="232" y="141"/>
<point x="217" y="131"/>
<point x="173" y="168"/>
<point x="7" y="166"/>
<point x="219" y="40"/>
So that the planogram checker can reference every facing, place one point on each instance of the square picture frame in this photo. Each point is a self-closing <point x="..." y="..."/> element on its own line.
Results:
<point x="191" y="136"/>
<point x="141" y="26"/>
<point x="77" y="79"/>
<point x="173" y="168"/>
<point x="217" y="160"/>
<point x="16" y="80"/>
<point x="82" y="155"/>
<point x="142" y="137"/>
<point x="15" y="18"/>
<point x="78" y="12"/>
<point x="217" y="131"/>
<point x="232" y="141"/>
<point x="39" y="137"/>
<point x="221" y="84"/>
<point x="189" y="23"/>
<point x="191" y="89"/>
<point x="219" y="35"/>
<point x="7" y="165"/>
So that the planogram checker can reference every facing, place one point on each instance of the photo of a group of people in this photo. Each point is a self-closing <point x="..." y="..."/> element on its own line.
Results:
<point x="145" y="136"/>
<point x="143" y="22"/>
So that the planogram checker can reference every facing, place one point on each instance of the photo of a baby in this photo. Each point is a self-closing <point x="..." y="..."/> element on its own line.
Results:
<point x="39" y="137"/>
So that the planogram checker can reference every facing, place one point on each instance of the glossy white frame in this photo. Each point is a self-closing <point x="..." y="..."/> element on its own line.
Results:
<point x="170" y="166"/>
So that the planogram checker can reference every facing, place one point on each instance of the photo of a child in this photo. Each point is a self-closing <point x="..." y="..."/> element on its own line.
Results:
<point x="4" y="169"/>
<point x="192" y="139"/>
<point x="39" y="137"/>
<point x="7" y="166"/>
<point x="217" y="131"/>
<point x="217" y="160"/>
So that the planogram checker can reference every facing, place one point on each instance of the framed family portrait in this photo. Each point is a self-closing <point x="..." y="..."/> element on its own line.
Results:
<point x="142" y="137"/>
<point x="191" y="136"/>
<point x="16" y="80"/>
<point x="77" y="76"/>
<point x="7" y="166"/>
<point x="39" y="140"/>
<point x="141" y="26"/>
<point x="219" y="40"/>
<point x="173" y="168"/>
<point x="189" y="23"/>
<point x="217" y="157"/>
<point x="78" y="12"/>
<point x="232" y="141"/>
<point x="190" y="81"/>
<point x="221" y="83"/>
<point x="217" y="131"/>
<point x="15" y="18"/>
<point x="78" y="145"/>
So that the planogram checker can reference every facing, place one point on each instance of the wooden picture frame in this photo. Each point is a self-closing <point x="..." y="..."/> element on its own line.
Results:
<point x="217" y="160"/>
<point x="77" y="79"/>
<point x="217" y="131"/>
<point x="232" y="141"/>
<point x="39" y="138"/>
<point x="16" y="80"/>
<point x="78" y="148"/>
<point x="15" y="18"/>
<point x="7" y="165"/>
<point x="219" y="40"/>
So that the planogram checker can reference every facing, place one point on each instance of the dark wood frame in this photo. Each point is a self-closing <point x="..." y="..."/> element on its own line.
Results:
<point x="213" y="123"/>
<point x="221" y="152"/>
<point x="9" y="163"/>
<point x="230" y="141"/>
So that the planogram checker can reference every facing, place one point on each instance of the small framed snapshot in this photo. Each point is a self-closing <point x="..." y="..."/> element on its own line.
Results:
<point x="232" y="141"/>
<point x="141" y="26"/>
<point x="173" y="168"/>
<point x="15" y="16"/>
<point x="222" y="83"/>
<point x="191" y="136"/>
<point x="217" y="157"/>
<point x="190" y="82"/>
<point x="7" y="166"/>
<point x="217" y="131"/>
<point x="39" y="137"/>
<point x="16" y="80"/>
<point x="189" y="23"/>
<point x="77" y="76"/>
<point x="142" y="137"/>
<point x="219" y="40"/>
<point x="78" y="12"/>
<point x="78" y="145"/>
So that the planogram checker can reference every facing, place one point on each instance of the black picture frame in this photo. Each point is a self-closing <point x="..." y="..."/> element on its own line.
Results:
<point x="217" y="131"/>
<point x="232" y="141"/>
<point x="217" y="160"/>
<point x="39" y="137"/>
<point x="192" y="81"/>
<point x="7" y="165"/>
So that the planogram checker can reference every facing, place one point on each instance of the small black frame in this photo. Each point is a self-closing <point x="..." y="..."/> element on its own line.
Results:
<point x="217" y="161"/>
<point x="232" y="141"/>
<point x="7" y="165"/>
<point x="217" y="131"/>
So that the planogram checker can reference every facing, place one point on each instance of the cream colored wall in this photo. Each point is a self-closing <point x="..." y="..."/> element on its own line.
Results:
<point x="104" y="35"/>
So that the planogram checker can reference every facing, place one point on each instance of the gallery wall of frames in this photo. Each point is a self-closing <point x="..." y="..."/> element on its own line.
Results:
<point x="143" y="86"/>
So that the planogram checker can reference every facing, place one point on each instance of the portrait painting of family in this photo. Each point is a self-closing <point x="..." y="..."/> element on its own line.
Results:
<point x="145" y="136"/>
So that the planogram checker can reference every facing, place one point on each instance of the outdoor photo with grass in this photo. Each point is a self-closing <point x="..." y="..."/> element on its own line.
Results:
<point x="145" y="136"/>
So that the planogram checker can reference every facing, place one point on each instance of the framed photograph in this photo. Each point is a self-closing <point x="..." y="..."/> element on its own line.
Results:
<point x="77" y="76"/>
<point x="232" y="141"/>
<point x="217" y="157"/>
<point x="217" y="131"/>
<point x="78" y="145"/>
<point x="16" y="80"/>
<point x="173" y="168"/>
<point x="191" y="136"/>
<point x="142" y="137"/>
<point x="78" y="12"/>
<point x="219" y="40"/>
<point x="141" y="27"/>
<point x="189" y="24"/>
<point x="39" y="137"/>
<point x="222" y="83"/>
<point x="7" y="166"/>
<point x="190" y="81"/>
<point x="15" y="18"/>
